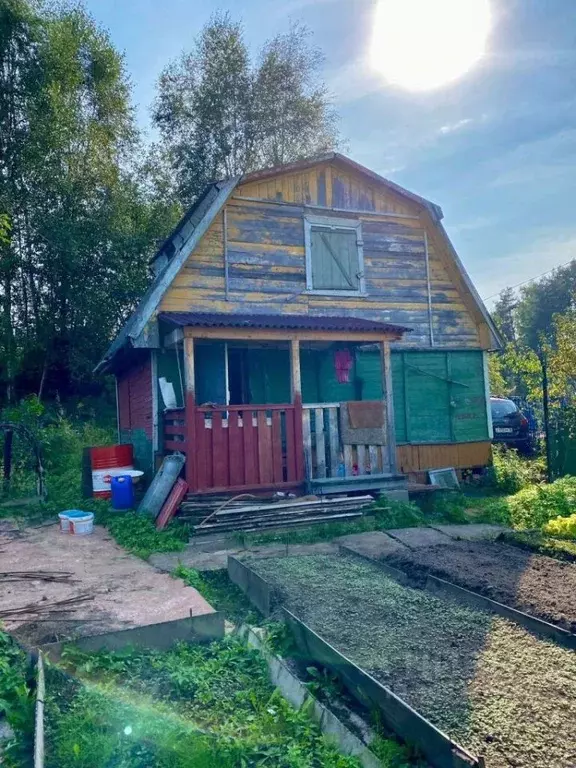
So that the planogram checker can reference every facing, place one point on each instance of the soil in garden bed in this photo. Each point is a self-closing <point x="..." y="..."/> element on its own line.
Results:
<point x="533" y="583"/>
<point x="492" y="686"/>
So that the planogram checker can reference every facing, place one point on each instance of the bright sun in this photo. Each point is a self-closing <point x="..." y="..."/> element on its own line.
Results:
<point x="423" y="44"/>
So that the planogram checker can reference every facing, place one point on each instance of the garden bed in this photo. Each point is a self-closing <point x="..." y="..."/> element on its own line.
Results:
<point x="489" y="684"/>
<point x="535" y="584"/>
<point x="194" y="705"/>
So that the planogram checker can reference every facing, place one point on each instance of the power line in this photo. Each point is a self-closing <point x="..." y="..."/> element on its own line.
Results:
<point x="530" y="280"/>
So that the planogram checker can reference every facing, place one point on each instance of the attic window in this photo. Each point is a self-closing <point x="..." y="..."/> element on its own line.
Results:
<point x="334" y="258"/>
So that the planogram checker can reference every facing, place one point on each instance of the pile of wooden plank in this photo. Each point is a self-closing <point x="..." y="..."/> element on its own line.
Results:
<point x="283" y="513"/>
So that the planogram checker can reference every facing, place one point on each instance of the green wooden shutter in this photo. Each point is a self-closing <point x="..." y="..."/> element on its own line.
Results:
<point x="427" y="397"/>
<point x="335" y="264"/>
<point x="468" y="396"/>
<point x="439" y="397"/>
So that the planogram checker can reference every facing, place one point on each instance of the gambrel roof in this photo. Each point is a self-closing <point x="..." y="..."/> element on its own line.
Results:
<point x="173" y="253"/>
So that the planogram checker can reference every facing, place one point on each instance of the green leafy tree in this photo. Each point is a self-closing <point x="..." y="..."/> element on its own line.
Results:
<point x="82" y="220"/>
<point x="221" y="114"/>
<point x="540" y="301"/>
<point x="503" y="313"/>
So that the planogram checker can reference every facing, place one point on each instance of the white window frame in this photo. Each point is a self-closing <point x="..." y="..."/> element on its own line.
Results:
<point x="334" y="224"/>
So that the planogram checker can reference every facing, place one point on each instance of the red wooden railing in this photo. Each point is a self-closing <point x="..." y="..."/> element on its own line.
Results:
<point x="238" y="447"/>
<point x="175" y="430"/>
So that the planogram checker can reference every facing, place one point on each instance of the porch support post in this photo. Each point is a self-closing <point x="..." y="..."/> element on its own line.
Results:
<point x="296" y="388"/>
<point x="389" y="399"/>
<point x="190" y="404"/>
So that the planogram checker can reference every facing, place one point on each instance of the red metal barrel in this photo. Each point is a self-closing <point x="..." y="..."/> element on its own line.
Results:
<point x="107" y="460"/>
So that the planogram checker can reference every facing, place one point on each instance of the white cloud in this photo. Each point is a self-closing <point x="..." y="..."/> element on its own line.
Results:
<point x="457" y="126"/>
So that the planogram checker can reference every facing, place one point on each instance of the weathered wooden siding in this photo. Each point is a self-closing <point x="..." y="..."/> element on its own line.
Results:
<point x="135" y="411"/>
<point x="328" y="185"/>
<point x="267" y="273"/>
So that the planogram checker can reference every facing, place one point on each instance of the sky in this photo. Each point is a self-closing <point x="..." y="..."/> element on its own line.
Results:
<point x="496" y="149"/>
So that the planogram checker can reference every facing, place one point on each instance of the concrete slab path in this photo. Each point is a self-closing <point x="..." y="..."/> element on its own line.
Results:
<point x="419" y="537"/>
<point x="374" y="544"/>
<point x="194" y="557"/>
<point x="211" y="553"/>
<point x="474" y="532"/>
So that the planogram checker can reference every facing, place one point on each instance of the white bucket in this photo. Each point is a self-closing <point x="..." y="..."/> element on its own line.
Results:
<point x="64" y="522"/>
<point x="82" y="526"/>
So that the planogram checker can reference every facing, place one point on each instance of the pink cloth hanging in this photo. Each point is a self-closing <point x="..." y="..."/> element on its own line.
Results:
<point x="342" y="364"/>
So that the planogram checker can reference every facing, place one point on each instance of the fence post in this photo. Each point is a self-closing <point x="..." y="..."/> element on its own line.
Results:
<point x="545" y="403"/>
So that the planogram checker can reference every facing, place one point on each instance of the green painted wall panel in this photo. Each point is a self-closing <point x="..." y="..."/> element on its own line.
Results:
<point x="397" y="364"/>
<point x="269" y="376"/>
<point x="427" y="398"/>
<point x="469" y="420"/>
<point x="331" y="391"/>
<point x="369" y="374"/>
<point x="439" y="396"/>
<point x="309" y="376"/>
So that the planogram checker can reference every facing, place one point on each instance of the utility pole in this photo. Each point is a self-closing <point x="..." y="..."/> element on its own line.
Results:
<point x="545" y="402"/>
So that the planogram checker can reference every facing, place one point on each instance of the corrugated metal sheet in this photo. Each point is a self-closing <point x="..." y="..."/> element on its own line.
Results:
<point x="287" y="322"/>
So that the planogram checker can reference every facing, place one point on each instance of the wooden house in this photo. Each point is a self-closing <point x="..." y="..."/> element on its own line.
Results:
<point x="318" y="330"/>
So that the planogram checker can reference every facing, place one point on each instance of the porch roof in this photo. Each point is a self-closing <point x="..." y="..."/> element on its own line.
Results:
<point x="284" y="322"/>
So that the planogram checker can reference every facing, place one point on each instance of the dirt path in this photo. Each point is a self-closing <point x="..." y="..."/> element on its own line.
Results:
<point x="124" y="592"/>
<point x="536" y="584"/>
<point x="494" y="687"/>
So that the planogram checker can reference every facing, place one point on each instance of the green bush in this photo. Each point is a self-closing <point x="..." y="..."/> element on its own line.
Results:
<point x="535" y="506"/>
<point x="16" y="703"/>
<point x="511" y="472"/>
<point x="495" y="511"/>
<point x="450" y="506"/>
<point x="397" y="514"/>
<point x="562" y="527"/>
<point x="62" y="438"/>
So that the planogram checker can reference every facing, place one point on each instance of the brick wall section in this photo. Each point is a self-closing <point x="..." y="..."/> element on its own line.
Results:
<point x="135" y="411"/>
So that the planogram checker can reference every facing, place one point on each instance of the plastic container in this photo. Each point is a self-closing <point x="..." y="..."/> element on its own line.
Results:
<point x="122" y="492"/>
<point x="78" y="516"/>
<point x="64" y="522"/>
<point x="81" y="523"/>
<point x="106" y="460"/>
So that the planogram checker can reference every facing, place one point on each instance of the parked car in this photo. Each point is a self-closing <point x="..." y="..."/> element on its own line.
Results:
<point x="510" y="426"/>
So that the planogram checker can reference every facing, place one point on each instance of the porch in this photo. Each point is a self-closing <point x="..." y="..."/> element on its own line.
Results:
<point x="235" y="444"/>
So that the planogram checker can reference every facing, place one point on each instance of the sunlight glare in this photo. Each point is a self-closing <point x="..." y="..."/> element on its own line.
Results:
<point x="424" y="44"/>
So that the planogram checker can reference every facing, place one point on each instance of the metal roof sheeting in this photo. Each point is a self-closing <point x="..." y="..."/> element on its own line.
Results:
<point x="287" y="322"/>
